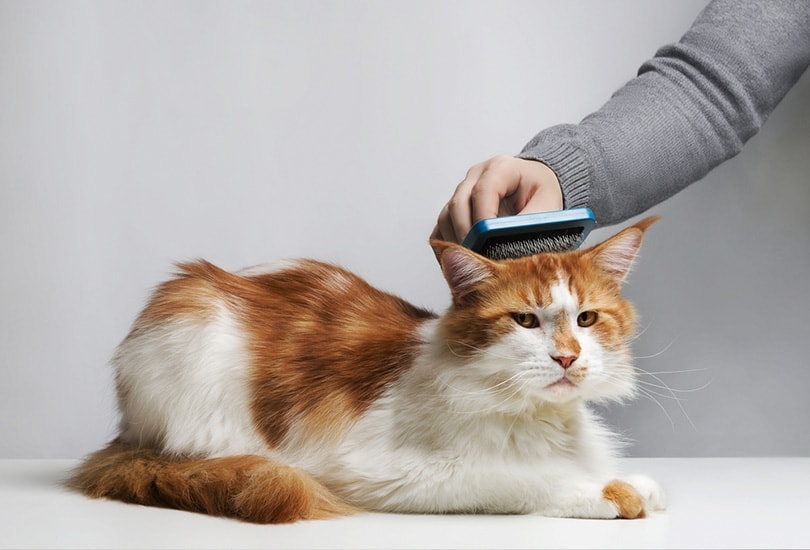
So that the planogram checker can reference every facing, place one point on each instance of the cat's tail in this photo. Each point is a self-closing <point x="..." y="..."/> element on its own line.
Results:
<point x="247" y="487"/>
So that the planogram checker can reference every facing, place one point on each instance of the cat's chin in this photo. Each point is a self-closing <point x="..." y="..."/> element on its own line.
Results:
<point x="561" y="391"/>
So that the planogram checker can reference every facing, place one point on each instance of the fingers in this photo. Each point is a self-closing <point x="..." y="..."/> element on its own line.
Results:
<point x="454" y="220"/>
<point x="444" y="230"/>
<point x="503" y="189"/>
<point x="459" y="208"/>
<point x="502" y="185"/>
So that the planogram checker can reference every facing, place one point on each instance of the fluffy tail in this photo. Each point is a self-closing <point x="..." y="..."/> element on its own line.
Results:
<point x="249" y="488"/>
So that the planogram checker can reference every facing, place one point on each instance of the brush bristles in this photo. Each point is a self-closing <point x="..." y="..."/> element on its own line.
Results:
<point x="557" y="241"/>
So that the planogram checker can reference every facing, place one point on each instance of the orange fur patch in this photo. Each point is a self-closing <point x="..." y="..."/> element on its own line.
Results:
<point x="564" y="340"/>
<point x="190" y="295"/>
<point x="325" y="346"/>
<point x="626" y="499"/>
<point x="249" y="488"/>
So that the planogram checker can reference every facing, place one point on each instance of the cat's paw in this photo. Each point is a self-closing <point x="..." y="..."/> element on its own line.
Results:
<point x="634" y="496"/>
<point x="654" y="498"/>
<point x="628" y="501"/>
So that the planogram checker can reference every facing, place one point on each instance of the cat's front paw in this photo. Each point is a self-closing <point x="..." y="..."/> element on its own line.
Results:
<point x="628" y="501"/>
<point x="654" y="498"/>
<point x="635" y="496"/>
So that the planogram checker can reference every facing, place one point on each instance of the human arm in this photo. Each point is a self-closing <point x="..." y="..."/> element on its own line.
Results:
<point x="691" y="107"/>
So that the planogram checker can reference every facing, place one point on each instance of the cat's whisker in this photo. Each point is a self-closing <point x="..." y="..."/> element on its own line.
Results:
<point x="484" y="390"/>
<point x="664" y="395"/>
<point x="639" y="333"/>
<point x="508" y="433"/>
<point x="652" y="398"/>
<point x="671" y="389"/>
<point x="476" y="408"/>
<point x="644" y="388"/>
<point x="457" y="354"/>
<point x="663" y="385"/>
<point x="680" y="405"/>
<point x="477" y="350"/>
<point x="669" y="371"/>
<point x="657" y="353"/>
<point x="671" y="392"/>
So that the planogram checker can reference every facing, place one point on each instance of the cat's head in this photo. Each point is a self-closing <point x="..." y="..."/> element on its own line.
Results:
<point x="551" y="327"/>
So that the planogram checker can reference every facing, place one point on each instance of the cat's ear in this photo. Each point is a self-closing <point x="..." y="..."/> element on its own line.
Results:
<point x="463" y="269"/>
<point x="616" y="255"/>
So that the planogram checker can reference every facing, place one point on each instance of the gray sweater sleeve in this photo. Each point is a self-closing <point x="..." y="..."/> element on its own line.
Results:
<point x="691" y="107"/>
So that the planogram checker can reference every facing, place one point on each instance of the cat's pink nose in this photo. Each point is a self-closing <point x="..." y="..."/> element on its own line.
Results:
<point x="564" y="360"/>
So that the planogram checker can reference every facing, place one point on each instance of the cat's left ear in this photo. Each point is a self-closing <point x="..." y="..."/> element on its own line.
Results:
<point x="463" y="269"/>
<point x="616" y="254"/>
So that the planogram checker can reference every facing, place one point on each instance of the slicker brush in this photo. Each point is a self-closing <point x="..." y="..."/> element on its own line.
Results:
<point x="528" y="234"/>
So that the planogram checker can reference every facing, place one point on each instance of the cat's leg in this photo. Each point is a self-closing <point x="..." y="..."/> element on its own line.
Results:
<point x="629" y="499"/>
<point x="583" y="500"/>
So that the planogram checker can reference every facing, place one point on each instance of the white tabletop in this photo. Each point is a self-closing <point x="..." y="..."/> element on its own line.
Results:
<point x="716" y="502"/>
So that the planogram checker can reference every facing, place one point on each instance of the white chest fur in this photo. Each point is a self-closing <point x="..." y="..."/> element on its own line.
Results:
<point x="430" y="446"/>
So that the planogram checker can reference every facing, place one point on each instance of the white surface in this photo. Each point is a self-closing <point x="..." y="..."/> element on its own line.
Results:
<point x="730" y="503"/>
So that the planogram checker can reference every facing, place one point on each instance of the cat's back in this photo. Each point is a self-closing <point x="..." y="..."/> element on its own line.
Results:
<point x="291" y="300"/>
<point x="223" y="363"/>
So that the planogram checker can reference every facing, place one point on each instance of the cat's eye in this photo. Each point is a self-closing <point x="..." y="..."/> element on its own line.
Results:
<point x="526" y="320"/>
<point x="587" y="318"/>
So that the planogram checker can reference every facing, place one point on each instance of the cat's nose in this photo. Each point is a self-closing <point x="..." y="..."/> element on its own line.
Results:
<point x="564" y="360"/>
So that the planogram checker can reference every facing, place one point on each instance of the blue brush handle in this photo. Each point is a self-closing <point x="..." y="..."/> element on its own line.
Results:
<point x="529" y="224"/>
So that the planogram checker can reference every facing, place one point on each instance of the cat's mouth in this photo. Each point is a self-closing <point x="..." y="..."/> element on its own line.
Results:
<point x="563" y="382"/>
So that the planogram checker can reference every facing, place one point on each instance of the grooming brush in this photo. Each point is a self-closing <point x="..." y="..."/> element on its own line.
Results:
<point x="528" y="234"/>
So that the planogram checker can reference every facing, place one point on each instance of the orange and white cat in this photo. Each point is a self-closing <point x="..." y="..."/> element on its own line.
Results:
<point x="302" y="392"/>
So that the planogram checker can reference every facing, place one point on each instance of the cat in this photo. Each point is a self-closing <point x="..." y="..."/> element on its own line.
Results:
<point x="302" y="392"/>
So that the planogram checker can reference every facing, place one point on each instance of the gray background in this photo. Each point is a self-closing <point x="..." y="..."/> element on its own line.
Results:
<point x="137" y="134"/>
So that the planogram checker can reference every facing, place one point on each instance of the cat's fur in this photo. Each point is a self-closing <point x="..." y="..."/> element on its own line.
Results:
<point x="302" y="392"/>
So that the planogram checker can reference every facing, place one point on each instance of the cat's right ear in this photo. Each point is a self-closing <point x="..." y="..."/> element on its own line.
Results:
<point x="616" y="255"/>
<point x="463" y="269"/>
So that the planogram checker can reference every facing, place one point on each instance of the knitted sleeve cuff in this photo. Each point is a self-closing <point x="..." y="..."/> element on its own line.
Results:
<point x="568" y="162"/>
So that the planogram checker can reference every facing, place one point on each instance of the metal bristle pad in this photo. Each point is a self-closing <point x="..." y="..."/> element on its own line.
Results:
<point x="557" y="241"/>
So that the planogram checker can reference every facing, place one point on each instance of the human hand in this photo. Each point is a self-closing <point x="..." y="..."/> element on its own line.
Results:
<point x="500" y="186"/>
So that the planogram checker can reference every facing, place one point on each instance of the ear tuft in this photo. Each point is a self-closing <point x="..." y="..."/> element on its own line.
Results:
<point x="616" y="255"/>
<point x="463" y="269"/>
